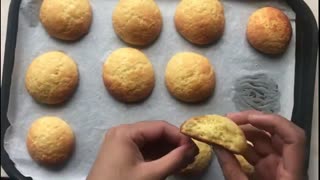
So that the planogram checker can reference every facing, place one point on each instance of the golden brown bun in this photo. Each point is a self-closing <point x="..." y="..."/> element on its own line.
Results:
<point x="200" y="21"/>
<point x="245" y="165"/>
<point x="269" y="30"/>
<point x="52" y="77"/>
<point x="128" y="75"/>
<point x="201" y="161"/>
<point x="215" y="129"/>
<point x="50" y="140"/>
<point x="190" y="77"/>
<point x="66" y="19"/>
<point x="137" y="22"/>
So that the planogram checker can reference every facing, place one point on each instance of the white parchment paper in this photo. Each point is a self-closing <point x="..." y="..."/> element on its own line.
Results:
<point x="91" y="111"/>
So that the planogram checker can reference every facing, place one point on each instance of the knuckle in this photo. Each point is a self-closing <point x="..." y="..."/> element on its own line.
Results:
<point x="277" y="117"/>
<point x="272" y="158"/>
<point x="110" y="132"/>
<point x="124" y="127"/>
<point x="107" y="135"/>
<point x="117" y="130"/>
<point x="301" y="135"/>
<point x="253" y="111"/>
<point x="162" y="122"/>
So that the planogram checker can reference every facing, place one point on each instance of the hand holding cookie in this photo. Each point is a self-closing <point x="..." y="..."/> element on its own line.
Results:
<point x="277" y="151"/>
<point x="144" y="150"/>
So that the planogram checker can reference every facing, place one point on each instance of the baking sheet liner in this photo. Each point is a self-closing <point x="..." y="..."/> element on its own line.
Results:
<point x="92" y="111"/>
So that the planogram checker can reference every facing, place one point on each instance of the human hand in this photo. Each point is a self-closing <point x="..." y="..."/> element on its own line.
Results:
<point x="149" y="150"/>
<point x="277" y="152"/>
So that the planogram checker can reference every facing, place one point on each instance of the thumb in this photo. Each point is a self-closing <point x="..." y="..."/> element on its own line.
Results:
<point x="229" y="165"/>
<point x="172" y="162"/>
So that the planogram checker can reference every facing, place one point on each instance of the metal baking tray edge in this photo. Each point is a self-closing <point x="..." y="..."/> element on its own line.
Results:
<point x="306" y="61"/>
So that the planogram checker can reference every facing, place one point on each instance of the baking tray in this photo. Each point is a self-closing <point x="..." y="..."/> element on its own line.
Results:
<point x="306" y="61"/>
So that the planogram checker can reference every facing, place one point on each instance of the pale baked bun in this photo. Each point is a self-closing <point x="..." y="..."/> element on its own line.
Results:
<point x="190" y="77"/>
<point x="50" y="140"/>
<point x="215" y="129"/>
<point x="137" y="22"/>
<point x="128" y="75"/>
<point x="269" y="30"/>
<point x="52" y="77"/>
<point x="200" y="21"/>
<point x="201" y="161"/>
<point x="66" y="19"/>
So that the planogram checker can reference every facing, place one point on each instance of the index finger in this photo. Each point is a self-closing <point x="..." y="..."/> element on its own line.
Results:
<point x="292" y="136"/>
<point x="268" y="122"/>
<point x="275" y="124"/>
<point x="230" y="166"/>
<point x="241" y="118"/>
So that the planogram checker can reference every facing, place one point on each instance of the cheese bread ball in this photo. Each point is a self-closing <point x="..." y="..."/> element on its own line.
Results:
<point x="137" y="22"/>
<point x="190" y="77"/>
<point x="200" y="21"/>
<point x="52" y="77"/>
<point x="128" y="75"/>
<point x="66" y="19"/>
<point x="269" y="30"/>
<point x="50" y="140"/>
<point x="201" y="161"/>
<point x="215" y="129"/>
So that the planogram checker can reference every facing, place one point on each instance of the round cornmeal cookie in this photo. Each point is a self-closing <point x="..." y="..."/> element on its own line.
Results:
<point x="201" y="161"/>
<point x="50" y="140"/>
<point x="137" y="22"/>
<point x="269" y="30"/>
<point x="52" y="77"/>
<point x="215" y="129"/>
<point x="66" y="19"/>
<point x="190" y="77"/>
<point x="128" y="75"/>
<point x="200" y="21"/>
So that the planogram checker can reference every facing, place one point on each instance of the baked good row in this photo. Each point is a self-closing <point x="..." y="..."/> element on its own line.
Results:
<point x="139" y="22"/>
<point x="51" y="141"/>
<point x="127" y="74"/>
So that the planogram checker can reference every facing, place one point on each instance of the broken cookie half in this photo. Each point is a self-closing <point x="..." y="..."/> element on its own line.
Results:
<point x="215" y="129"/>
